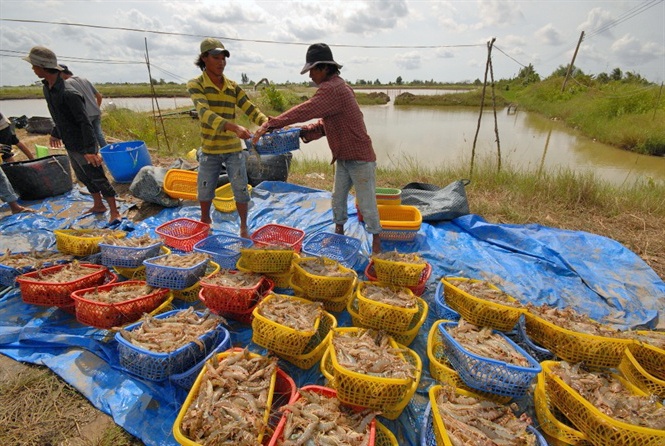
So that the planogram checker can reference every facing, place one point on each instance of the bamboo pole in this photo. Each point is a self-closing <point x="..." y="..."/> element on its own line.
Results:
<point x="482" y="106"/>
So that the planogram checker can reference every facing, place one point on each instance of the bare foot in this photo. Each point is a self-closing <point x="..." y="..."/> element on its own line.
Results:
<point x="339" y="229"/>
<point x="96" y="210"/>
<point x="207" y="221"/>
<point x="244" y="233"/>
<point x="115" y="217"/>
<point x="18" y="209"/>
<point x="376" y="245"/>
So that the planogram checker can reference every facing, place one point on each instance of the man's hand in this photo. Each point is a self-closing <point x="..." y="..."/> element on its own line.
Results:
<point x="93" y="159"/>
<point x="55" y="142"/>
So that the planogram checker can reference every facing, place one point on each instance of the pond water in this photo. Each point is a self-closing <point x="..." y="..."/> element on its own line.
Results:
<point x="431" y="136"/>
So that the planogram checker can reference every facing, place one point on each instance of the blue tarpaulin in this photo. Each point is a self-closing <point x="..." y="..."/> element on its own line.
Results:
<point x="533" y="263"/>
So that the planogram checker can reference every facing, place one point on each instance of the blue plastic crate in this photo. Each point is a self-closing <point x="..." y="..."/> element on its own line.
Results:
<point x="338" y="247"/>
<point x="128" y="256"/>
<point x="521" y="338"/>
<point x="154" y="366"/>
<point x="161" y="276"/>
<point x="443" y="311"/>
<point x="9" y="274"/>
<point x="224" y="249"/>
<point x="487" y="374"/>
<point x="277" y="142"/>
<point x="186" y="379"/>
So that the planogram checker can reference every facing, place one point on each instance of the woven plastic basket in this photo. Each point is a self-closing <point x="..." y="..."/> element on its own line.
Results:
<point x="519" y="336"/>
<point x="334" y="305"/>
<point x="128" y="256"/>
<point x="398" y="273"/>
<point x="244" y="317"/>
<point x="224" y="249"/>
<point x="39" y="292"/>
<point x="399" y="223"/>
<point x="233" y="299"/>
<point x="191" y="293"/>
<point x="280" y="338"/>
<point x="650" y="357"/>
<point x="276" y="142"/>
<point x="599" y="428"/>
<point x="175" y="278"/>
<point x="384" y="437"/>
<point x="224" y="200"/>
<point x="182" y="233"/>
<point x="180" y="183"/>
<point x="107" y="315"/>
<point x="186" y="379"/>
<point x="338" y="247"/>
<point x="317" y="345"/>
<point x="322" y="286"/>
<point x="633" y="371"/>
<point x="379" y="314"/>
<point x="443" y="311"/>
<point x="281" y="280"/>
<point x="418" y="289"/>
<point x="76" y="243"/>
<point x="478" y="311"/>
<point x="274" y="234"/>
<point x="488" y="374"/>
<point x="8" y="274"/>
<point x="594" y="351"/>
<point x="154" y="366"/>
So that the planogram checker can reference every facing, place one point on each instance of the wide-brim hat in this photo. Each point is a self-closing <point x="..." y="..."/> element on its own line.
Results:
<point x="214" y="47"/>
<point x="318" y="53"/>
<point x="40" y="56"/>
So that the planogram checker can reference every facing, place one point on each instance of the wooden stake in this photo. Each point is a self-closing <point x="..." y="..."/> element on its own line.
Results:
<point x="570" y="67"/>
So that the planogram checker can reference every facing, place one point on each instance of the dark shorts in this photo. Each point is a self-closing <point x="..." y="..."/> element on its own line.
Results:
<point x="6" y="152"/>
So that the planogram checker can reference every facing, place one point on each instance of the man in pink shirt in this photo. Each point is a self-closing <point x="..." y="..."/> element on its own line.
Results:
<point x="341" y="121"/>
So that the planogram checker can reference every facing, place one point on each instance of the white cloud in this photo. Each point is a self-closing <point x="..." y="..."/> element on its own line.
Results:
<point x="597" y="18"/>
<point x="502" y="13"/>
<point x="632" y="52"/>
<point x="408" y="61"/>
<point x="549" y="35"/>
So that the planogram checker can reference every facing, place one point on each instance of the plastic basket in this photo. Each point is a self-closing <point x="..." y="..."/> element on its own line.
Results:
<point x="280" y="338"/>
<point x="8" y="274"/>
<point x="320" y="286"/>
<point x="443" y="311"/>
<point x="488" y="374"/>
<point x="38" y="292"/>
<point x="128" y="256"/>
<point x="186" y="379"/>
<point x="338" y="247"/>
<point x="399" y="223"/>
<point x="599" y="428"/>
<point x="650" y="357"/>
<point x="191" y="293"/>
<point x="388" y="193"/>
<point x="266" y="261"/>
<point x="107" y="315"/>
<point x="384" y="437"/>
<point x="399" y="273"/>
<point x="374" y="392"/>
<point x="276" y="142"/>
<point x="401" y="337"/>
<point x="550" y="418"/>
<point x="334" y="305"/>
<point x="244" y="317"/>
<point x="633" y="371"/>
<point x="68" y="242"/>
<point x="281" y="280"/>
<point x="378" y="314"/>
<point x="274" y="234"/>
<point x="223" y="249"/>
<point x="153" y="366"/>
<point x="182" y="233"/>
<point x="325" y="391"/>
<point x="222" y="299"/>
<point x="317" y="344"/>
<point x="137" y="273"/>
<point x="480" y="312"/>
<point x="224" y="200"/>
<point x="193" y="393"/>
<point x="180" y="183"/>
<point x="522" y="339"/>
<point x="175" y="278"/>
<point x="594" y="351"/>
<point x="418" y="289"/>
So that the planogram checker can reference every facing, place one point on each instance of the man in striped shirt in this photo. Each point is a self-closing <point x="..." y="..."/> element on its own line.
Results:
<point x="216" y="99"/>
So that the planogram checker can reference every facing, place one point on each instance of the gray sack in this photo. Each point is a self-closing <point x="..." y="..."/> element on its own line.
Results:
<point x="148" y="185"/>
<point x="435" y="203"/>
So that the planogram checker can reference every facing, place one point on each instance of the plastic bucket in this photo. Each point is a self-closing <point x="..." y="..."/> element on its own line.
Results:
<point x="125" y="159"/>
<point x="40" y="178"/>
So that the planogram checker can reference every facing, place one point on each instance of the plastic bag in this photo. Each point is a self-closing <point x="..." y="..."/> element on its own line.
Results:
<point x="435" y="203"/>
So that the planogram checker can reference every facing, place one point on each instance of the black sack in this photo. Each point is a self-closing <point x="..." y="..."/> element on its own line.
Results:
<point x="40" y="178"/>
<point x="435" y="203"/>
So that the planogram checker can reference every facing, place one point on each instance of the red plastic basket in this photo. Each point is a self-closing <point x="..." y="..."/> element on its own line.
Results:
<point x="244" y="317"/>
<point x="231" y="299"/>
<point x="183" y="233"/>
<point x="108" y="315"/>
<point x="58" y="294"/>
<point x="418" y="290"/>
<point x="274" y="234"/>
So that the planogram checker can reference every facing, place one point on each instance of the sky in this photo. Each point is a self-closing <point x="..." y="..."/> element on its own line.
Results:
<point x="443" y="41"/>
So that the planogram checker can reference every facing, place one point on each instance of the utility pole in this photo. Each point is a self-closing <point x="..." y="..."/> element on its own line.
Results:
<point x="570" y="67"/>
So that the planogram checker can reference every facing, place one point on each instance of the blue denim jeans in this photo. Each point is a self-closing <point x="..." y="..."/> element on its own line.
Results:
<point x="210" y="167"/>
<point x="7" y="193"/>
<point x="362" y="176"/>
<point x="99" y="134"/>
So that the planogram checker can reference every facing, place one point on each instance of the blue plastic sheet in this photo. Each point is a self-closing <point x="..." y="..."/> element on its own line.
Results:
<point x="534" y="263"/>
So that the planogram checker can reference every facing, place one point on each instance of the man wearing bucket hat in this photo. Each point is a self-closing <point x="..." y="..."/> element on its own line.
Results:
<point x="341" y="121"/>
<point x="8" y="139"/>
<point x="72" y="126"/>
<point x="216" y="97"/>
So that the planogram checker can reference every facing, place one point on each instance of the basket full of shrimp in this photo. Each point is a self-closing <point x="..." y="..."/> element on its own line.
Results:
<point x="176" y="271"/>
<point x="128" y="252"/>
<point x="83" y="242"/>
<point x="13" y="264"/>
<point x="385" y="306"/>
<point x="157" y="347"/>
<point x="396" y="268"/>
<point x="322" y="278"/>
<point x="233" y="291"/>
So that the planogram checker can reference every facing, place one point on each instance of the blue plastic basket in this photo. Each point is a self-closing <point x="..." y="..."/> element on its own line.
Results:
<point x="487" y="374"/>
<point x="161" y="276"/>
<point x="277" y="142"/>
<point x="338" y="247"/>
<point x="128" y="256"/>
<point x="443" y="311"/>
<point x="521" y="338"/>
<point x="186" y="379"/>
<point x="9" y="274"/>
<point x="154" y="366"/>
<point x="224" y="249"/>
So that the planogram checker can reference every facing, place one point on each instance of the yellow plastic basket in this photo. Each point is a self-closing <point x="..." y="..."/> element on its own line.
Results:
<point x="191" y="294"/>
<point x="398" y="273"/>
<point x="399" y="217"/>
<point x="371" y="391"/>
<point x="401" y="337"/>
<point x="280" y="338"/>
<point x="319" y="286"/>
<point x="180" y="183"/>
<point x="632" y="370"/>
<point x="379" y="314"/>
<point x="594" y="351"/>
<point x="193" y="393"/>
<point x="316" y="346"/>
<point x="68" y="242"/>
<point x="224" y="200"/>
<point x="384" y="437"/>
<point x="271" y="261"/>
<point x="599" y="428"/>
<point x="480" y="312"/>
<point x="650" y="357"/>
<point x="549" y="418"/>
<point x="334" y="305"/>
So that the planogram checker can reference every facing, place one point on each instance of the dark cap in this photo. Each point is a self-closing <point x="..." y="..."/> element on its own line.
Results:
<point x="40" y="56"/>
<point x="316" y="54"/>
<point x="66" y="70"/>
<point x="214" y="47"/>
